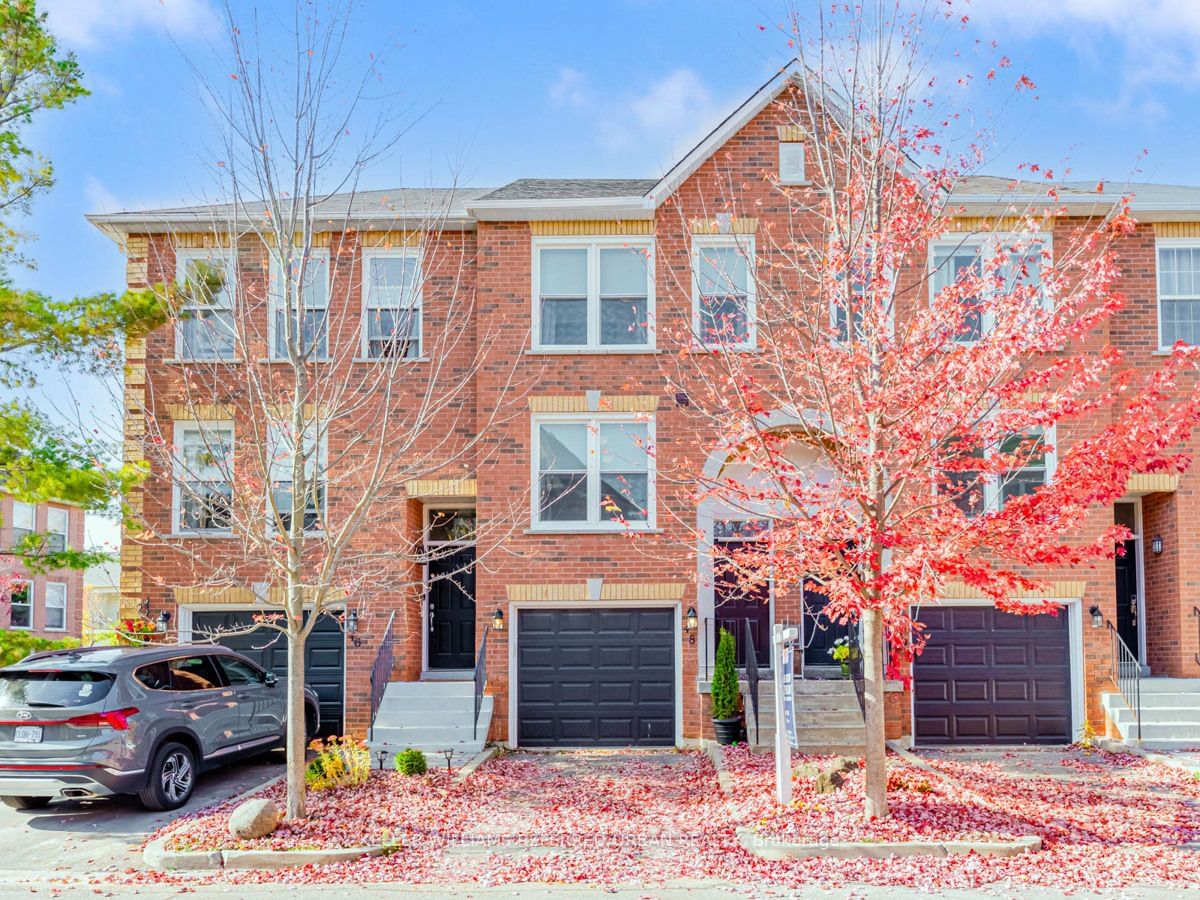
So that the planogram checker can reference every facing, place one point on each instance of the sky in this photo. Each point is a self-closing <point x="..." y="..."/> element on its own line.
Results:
<point x="620" y="88"/>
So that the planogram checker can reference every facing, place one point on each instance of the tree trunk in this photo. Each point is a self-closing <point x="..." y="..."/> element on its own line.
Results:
<point x="876" y="774"/>
<point x="296" y="744"/>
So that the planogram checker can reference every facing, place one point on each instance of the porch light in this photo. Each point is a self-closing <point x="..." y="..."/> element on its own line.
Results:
<point x="1156" y="544"/>
<point x="690" y="623"/>
<point x="498" y="620"/>
<point x="164" y="619"/>
<point x="352" y="622"/>
<point x="1097" y="616"/>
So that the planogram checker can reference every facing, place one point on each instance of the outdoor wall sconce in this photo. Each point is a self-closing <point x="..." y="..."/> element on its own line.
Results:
<point x="1156" y="544"/>
<point x="1097" y="616"/>
<point x="690" y="623"/>
<point x="352" y="627"/>
<point x="498" y="620"/>
<point x="164" y="619"/>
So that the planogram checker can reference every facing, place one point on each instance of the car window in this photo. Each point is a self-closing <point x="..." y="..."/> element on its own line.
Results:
<point x="239" y="672"/>
<point x="193" y="673"/>
<point x="53" y="689"/>
<point x="156" y="676"/>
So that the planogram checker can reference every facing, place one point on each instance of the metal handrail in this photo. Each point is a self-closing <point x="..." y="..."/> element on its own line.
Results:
<point x="381" y="672"/>
<point x="480" y="680"/>
<point x="855" y="665"/>
<point x="711" y="628"/>
<point x="1196" y="613"/>
<point x="1127" y="673"/>
<point x="752" y="678"/>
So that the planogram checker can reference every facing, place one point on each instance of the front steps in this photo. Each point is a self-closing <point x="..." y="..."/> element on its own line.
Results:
<point x="430" y="716"/>
<point x="1170" y="714"/>
<point x="828" y="719"/>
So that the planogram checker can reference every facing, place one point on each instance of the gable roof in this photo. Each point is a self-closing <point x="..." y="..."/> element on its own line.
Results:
<point x="569" y="188"/>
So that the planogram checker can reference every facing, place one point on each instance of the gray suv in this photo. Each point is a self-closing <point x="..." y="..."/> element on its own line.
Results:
<point x="133" y="720"/>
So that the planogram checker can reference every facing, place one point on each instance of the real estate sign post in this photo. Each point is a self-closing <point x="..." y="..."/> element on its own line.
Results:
<point x="785" y="709"/>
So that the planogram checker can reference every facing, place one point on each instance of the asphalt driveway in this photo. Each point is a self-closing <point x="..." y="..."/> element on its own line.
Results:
<point x="81" y="836"/>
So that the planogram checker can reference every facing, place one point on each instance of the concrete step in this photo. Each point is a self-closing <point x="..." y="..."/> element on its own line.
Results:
<point x="1170" y="744"/>
<point x="1172" y="731"/>
<point x="1170" y="686"/>
<point x="426" y="689"/>
<point x="1160" y="715"/>
<point x="824" y="749"/>
<point x="461" y="755"/>
<point x="444" y="715"/>
<point x="825" y="687"/>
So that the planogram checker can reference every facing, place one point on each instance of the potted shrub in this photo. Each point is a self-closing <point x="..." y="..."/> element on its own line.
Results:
<point x="726" y="696"/>
<point x="842" y="653"/>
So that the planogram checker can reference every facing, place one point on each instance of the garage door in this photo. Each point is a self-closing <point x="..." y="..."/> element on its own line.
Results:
<point x="990" y="677"/>
<point x="324" y="655"/>
<point x="601" y="678"/>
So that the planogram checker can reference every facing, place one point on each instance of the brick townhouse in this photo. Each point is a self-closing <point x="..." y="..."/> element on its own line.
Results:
<point x="597" y="639"/>
<point x="46" y="604"/>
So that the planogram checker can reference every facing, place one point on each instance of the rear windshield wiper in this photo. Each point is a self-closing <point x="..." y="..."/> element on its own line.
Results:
<point x="42" y="703"/>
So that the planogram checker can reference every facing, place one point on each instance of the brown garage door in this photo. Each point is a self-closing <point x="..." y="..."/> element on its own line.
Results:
<point x="990" y="677"/>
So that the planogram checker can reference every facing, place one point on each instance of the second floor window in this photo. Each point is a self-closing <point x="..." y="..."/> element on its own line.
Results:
<point x="723" y="291"/>
<point x="391" y="304"/>
<point x="300" y="306"/>
<point x="56" y="606"/>
<point x="593" y="472"/>
<point x="21" y="606"/>
<point x="24" y="521"/>
<point x="203" y="488"/>
<point x="975" y="495"/>
<point x="206" y="327"/>
<point x="1178" y="292"/>
<point x="58" y="523"/>
<point x="968" y="258"/>
<point x="594" y="294"/>
<point x="282" y="449"/>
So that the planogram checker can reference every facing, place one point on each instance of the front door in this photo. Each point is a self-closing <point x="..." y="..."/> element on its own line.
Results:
<point x="736" y="604"/>
<point x="451" y="613"/>
<point x="819" y="632"/>
<point x="1127" y="596"/>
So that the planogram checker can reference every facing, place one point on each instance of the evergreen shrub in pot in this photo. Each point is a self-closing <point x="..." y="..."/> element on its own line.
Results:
<point x="726" y="696"/>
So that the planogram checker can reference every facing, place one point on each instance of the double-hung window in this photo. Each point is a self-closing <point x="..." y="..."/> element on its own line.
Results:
<point x="203" y="477"/>
<point x="1033" y="471"/>
<point x="1178" y="292"/>
<point x="300" y="304"/>
<point x="56" y="606"/>
<point x="955" y="258"/>
<point x="282" y="448"/>
<point x="723" y="291"/>
<point x="593" y="294"/>
<point x="21" y="606"/>
<point x="57" y="527"/>
<point x="208" y="280"/>
<point x="391" y="304"/>
<point x="593" y="472"/>
<point x="1035" y="457"/>
<point x="24" y="521"/>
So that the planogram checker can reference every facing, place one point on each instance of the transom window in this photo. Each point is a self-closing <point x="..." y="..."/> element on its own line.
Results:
<point x="956" y="258"/>
<point x="282" y="448"/>
<point x="21" y="606"/>
<point x="391" y="304"/>
<point x="57" y="526"/>
<point x="56" y="606"/>
<point x="593" y="472"/>
<point x="209" y="281"/>
<point x="1178" y="292"/>
<point x="307" y="326"/>
<point x="24" y="520"/>
<point x="593" y="294"/>
<point x="203" y="470"/>
<point x="723" y="291"/>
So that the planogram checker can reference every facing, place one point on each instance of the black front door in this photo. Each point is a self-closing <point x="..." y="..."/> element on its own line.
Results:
<point x="819" y="632"/>
<point x="1127" y="600"/>
<point x="737" y="604"/>
<point x="452" y="608"/>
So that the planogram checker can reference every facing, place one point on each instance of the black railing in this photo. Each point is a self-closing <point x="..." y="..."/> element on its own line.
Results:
<point x="752" y="678"/>
<point x="381" y="672"/>
<point x="742" y="630"/>
<point x="1127" y="673"/>
<point x="480" y="680"/>
<point x="1196" y="613"/>
<point x="855" y="665"/>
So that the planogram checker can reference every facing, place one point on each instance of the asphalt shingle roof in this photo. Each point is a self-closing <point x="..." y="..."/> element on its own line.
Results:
<point x="571" y="188"/>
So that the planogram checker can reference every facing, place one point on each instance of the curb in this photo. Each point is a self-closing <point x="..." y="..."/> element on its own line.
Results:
<point x="474" y="763"/>
<point x="717" y="756"/>
<point x="156" y="856"/>
<point x="773" y="849"/>
<point x="1111" y="746"/>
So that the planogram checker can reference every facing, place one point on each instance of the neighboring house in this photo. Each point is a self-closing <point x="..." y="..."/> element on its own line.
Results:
<point x="101" y="601"/>
<point x="47" y="604"/>
<point x="598" y="648"/>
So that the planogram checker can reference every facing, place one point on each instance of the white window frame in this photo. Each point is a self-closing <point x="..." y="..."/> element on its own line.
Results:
<point x="228" y="256"/>
<point x="889" y="276"/>
<point x="987" y="245"/>
<point x="321" y="466"/>
<point x="594" y="522"/>
<point x="802" y="177"/>
<point x="417" y="304"/>
<point x="1165" y="244"/>
<point x="32" y="528"/>
<point x="746" y="244"/>
<point x="180" y="475"/>
<point x="47" y="606"/>
<point x="274" y="273"/>
<point x="29" y="603"/>
<point x="51" y="513"/>
<point x="593" y="246"/>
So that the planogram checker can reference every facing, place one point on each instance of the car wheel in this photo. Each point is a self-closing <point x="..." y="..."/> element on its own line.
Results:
<point x="172" y="778"/>
<point x="27" y="802"/>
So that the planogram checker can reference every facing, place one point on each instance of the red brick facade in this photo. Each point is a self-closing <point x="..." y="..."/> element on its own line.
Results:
<point x="40" y="585"/>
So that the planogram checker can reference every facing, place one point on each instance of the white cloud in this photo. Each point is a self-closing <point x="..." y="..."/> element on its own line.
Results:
<point x="99" y="198"/>
<point x="570" y="90"/>
<point x="94" y="23"/>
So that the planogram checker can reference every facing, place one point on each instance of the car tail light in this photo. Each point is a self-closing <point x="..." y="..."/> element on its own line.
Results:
<point x="117" y="719"/>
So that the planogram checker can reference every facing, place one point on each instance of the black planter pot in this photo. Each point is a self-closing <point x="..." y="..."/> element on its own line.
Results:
<point x="729" y="731"/>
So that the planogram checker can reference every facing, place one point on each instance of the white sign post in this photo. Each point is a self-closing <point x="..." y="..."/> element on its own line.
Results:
<point x="785" y="709"/>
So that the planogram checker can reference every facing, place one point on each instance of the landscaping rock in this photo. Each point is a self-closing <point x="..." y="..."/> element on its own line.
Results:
<point x="831" y="778"/>
<point x="254" y="819"/>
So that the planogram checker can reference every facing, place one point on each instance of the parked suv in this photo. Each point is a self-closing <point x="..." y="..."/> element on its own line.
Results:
<point x="133" y="720"/>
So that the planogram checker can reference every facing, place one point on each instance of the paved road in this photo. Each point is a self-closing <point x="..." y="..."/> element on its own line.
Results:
<point x="81" y="836"/>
